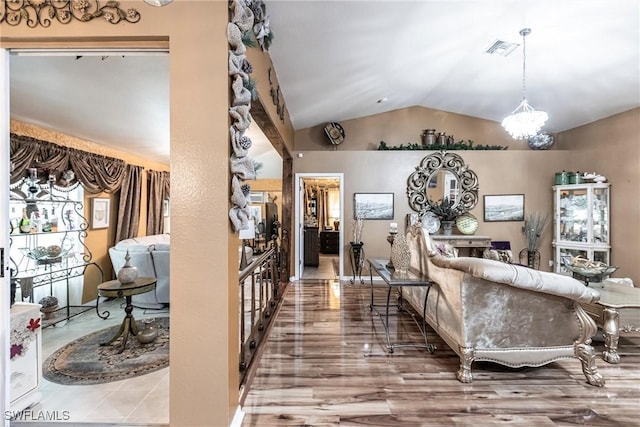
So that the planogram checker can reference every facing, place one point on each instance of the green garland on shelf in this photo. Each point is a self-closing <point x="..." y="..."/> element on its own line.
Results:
<point x="460" y="145"/>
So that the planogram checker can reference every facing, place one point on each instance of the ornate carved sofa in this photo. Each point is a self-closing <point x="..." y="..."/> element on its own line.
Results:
<point x="151" y="255"/>
<point x="487" y="310"/>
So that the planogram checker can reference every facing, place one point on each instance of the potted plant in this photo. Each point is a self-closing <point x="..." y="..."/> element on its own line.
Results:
<point x="49" y="305"/>
<point x="447" y="211"/>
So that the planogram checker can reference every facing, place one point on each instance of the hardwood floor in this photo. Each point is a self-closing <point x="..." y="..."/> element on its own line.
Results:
<point x="324" y="364"/>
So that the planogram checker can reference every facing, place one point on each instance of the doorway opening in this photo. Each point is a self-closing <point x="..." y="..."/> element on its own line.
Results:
<point x="319" y="218"/>
<point x="98" y="96"/>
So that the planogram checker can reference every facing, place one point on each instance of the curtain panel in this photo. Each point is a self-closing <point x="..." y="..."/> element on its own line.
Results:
<point x="159" y="187"/>
<point x="96" y="173"/>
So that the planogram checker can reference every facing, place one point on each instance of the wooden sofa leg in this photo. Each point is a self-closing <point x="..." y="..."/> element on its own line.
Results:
<point x="467" y="355"/>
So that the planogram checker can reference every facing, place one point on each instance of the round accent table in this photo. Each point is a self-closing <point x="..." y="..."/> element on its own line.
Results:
<point x="115" y="289"/>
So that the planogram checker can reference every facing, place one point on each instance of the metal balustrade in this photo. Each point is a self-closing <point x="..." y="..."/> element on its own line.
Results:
<point x="259" y="291"/>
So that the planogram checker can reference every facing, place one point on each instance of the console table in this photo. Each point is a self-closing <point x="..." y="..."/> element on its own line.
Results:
<point x="396" y="279"/>
<point x="618" y="310"/>
<point x="461" y="241"/>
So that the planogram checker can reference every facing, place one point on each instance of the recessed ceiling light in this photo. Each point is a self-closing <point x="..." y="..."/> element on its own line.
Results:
<point x="381" y="100"/>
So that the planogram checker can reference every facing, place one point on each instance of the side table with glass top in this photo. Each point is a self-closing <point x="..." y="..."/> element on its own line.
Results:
<point x="396" y="280"/>
<point x="115" y="289"/>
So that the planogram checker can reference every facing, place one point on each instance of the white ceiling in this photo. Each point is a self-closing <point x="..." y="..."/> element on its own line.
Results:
<point x="336" y="59"/>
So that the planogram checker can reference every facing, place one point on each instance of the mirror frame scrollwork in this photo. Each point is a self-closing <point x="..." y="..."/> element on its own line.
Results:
<point x="418" y="181"/>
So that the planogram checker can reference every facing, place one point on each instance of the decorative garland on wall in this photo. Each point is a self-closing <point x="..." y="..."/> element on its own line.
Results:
<point x="460" y="145"/>
<point x="43" y="12"/>
<point x="244" y="16"/>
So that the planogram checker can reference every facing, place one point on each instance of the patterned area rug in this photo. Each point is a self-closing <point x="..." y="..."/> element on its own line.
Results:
<point x="84" y="361"/>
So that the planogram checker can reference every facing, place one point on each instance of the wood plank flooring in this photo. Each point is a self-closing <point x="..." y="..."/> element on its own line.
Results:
<point x="324" y="364"/>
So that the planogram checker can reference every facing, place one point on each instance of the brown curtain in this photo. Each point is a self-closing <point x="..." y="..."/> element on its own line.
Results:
<point x="159" y="186"/>
<point x="129" y="206"/>
<point x="96" y="174"/>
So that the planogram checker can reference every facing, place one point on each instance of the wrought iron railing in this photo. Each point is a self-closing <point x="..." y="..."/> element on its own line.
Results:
<point x="259" y="287"/>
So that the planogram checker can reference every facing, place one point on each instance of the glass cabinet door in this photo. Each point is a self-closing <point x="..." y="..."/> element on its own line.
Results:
<point x="573" y="215"/>
<point x="565" y="255"/>
<point x="600" y="215"/>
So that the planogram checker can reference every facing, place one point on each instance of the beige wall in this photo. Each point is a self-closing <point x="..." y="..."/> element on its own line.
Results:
<point x="611" y="147"/>
<point x="405" y="126"/>
<point x="204" y="387"/>
<point x="518" y="170"/>
<point x="499" y="172"/>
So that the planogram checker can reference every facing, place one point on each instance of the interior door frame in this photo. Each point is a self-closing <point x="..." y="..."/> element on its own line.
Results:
<point x="4" y="237"/>
<point x="299" y="221"/>
<point x="5" y="130"/>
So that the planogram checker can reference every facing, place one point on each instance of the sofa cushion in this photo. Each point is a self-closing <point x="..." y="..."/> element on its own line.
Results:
<point x="520" y="277"/>
<point x="446" y="250"/>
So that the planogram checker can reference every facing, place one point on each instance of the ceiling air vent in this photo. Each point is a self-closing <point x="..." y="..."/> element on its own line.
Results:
<point x="501" y="48"/>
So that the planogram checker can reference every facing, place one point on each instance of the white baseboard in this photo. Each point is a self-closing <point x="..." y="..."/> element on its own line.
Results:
<point x="237" y="418"/>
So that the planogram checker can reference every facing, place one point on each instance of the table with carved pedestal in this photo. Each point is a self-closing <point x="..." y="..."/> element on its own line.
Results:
<point x="618" y="310"/>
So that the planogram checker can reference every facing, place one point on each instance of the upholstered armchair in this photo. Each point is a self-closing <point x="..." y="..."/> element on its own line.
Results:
<point x="488" y="310"/>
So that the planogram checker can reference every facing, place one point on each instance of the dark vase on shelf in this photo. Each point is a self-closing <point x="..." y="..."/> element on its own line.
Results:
<point x="530" y="258"/>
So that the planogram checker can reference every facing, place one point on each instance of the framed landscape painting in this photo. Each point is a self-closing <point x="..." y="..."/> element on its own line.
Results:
<point x="373" y="205"/>
<point x="504" y="207"/>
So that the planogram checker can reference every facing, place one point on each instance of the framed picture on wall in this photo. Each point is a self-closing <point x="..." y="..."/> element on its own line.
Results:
<point x="100" y="212"/>
<point x="373" y="205"/>
<point x="504" y="207"/>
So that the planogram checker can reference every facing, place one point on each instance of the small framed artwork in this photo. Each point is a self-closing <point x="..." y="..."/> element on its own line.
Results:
<point x="373" y="205"/>
<point x="256" y="212"/>
<point x="504" y="207"/>
<point x="100" y="212"/>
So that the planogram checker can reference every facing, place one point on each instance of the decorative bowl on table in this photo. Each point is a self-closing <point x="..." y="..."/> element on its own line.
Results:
<point x="587" y="270"/>
<point x="46" y="254"/>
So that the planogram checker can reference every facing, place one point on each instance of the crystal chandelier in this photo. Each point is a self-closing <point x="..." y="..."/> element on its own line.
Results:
<point x="524" y="121"/>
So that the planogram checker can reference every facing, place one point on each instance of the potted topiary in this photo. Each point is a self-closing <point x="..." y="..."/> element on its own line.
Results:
<point x="446" y="210"/>
<point x="49" y="305"/>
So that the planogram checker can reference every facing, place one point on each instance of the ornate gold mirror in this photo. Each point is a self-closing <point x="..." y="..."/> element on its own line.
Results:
<point x="441" y="175"/>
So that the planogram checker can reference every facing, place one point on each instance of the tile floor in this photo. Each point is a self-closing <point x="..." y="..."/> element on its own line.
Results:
<point x="134" y="401"/>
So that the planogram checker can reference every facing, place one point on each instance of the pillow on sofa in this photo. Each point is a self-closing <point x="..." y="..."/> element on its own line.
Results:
<point x="504" y="255"/>
<point x="447" y="250"/>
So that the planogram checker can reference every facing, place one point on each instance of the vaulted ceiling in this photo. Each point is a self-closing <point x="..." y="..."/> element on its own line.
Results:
<point x="339" y="60"/>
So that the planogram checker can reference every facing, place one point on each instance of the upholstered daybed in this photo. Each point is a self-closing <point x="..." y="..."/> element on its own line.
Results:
<point x="487" y="310"/>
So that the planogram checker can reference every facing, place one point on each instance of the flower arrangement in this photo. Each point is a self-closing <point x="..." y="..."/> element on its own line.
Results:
<point x="445" y="209"/>
<point x="534" y="225"/>
<point x="358" y="225"/>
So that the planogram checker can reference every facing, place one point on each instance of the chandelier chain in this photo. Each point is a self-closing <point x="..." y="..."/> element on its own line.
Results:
<point x="524" y="33"/>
